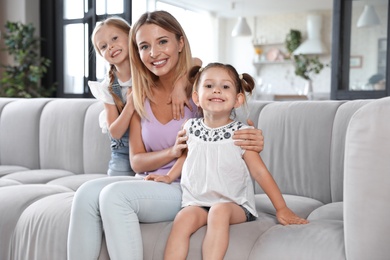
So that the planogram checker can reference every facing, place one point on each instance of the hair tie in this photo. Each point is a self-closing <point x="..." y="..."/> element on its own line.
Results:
<point x="240" y="76"/>
<point x="200" y="69"/>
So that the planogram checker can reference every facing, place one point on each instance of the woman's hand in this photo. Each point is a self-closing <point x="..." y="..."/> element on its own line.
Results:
<point x="286" y="217"/>
<point x="249" y="139"/>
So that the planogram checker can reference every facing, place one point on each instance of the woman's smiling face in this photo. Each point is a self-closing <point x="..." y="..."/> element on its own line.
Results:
<point x="158" y="49"/>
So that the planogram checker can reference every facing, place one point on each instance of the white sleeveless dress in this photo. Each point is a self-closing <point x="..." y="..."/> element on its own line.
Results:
<point x="214" y="171"/>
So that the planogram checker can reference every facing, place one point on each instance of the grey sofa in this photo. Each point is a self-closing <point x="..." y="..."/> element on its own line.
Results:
<point x="331" y="160"/>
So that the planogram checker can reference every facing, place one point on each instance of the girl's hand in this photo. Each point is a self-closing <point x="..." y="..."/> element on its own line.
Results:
<point x="286" y="217"/>
<point x="249" y="139"/>
<point x="179" y="98"/>
<point x="158" y="178"/>
<point x="180" y="144"/>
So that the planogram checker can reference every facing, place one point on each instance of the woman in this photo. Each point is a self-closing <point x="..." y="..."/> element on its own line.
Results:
<point x="160" y="55"/>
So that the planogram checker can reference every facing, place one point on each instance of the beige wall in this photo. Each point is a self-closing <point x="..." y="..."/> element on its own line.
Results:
<point x="25" y="11"/>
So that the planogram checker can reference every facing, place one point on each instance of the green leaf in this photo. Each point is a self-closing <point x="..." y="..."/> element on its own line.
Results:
<point x="22" y="78"/>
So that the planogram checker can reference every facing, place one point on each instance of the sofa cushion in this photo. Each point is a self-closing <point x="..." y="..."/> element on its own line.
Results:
<point x="5" y="182"/>
<point x="340" y="125"/>
<point x="61" y="135"/>
<point x="96" y="145"/>
<point x="320" y="240"/>
<point x="4" y="101"/>
<point x="14" y="200"/>
<point x="302" y="206"/>
<point x="243" y="112"/>
<point x="41" y="231"/>
<point x="7" y="169"/>
<point x="367" y="182"/>
<point x="333" y="211"/>
<point x="241" y="240"/>
<point x="297" y="146"/>
<point x="20" y="131"/>
<point x="37" y="176"/>
<point x="75" y="181"/>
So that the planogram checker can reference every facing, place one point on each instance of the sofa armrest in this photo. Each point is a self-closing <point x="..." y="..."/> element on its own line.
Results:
<point x="367" y="182"/>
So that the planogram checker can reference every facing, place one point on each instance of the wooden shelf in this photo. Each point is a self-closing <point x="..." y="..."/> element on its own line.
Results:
<point x="262" y="45"/>
<point x="259" y="64"/>
<point x="266" y="62"/>
<point x="266" y="49"/>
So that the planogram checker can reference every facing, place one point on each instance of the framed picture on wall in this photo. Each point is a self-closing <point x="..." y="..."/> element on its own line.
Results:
<point x="382" y="54"/>
<point x="356" y="61"/>
<point x="382" y="44"/>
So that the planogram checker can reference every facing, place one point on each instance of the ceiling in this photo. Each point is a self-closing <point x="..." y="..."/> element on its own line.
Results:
<point x="234" y="8"/>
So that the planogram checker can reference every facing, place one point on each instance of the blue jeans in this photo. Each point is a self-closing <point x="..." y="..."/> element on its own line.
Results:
<point x="124" y="204"/>
<point x="119" y="164"/>
<point x="85" y="227"/>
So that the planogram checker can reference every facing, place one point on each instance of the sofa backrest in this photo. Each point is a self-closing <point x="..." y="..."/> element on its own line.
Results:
<point x="19" y="132"/>
<point x="304" y="145"/>
<point x="340" y="127"/>
<point x="367" y="181"/>
<point x="304" y="141"/>
<point x="53" y="134"/>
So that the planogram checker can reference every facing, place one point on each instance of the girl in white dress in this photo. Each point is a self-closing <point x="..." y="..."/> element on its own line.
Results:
<point x="215" y="173"/>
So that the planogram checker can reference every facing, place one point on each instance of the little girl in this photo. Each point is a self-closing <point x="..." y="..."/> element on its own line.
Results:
<point x="215" y="173"/>
<point x="110" y="39"/>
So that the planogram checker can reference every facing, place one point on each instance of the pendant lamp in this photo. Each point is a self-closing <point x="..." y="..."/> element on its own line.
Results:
<point x="313" y="44"/>
<point x="241" y="28"/>
<point x="369" y="17"/>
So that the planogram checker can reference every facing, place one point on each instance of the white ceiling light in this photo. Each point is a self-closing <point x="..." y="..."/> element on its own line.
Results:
<point x="369" y="17"/>
<point x="241" y="28"/>
<point x="313" y="44"/>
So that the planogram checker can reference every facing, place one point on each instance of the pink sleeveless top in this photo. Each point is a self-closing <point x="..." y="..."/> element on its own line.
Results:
<point x="157" y="136"/>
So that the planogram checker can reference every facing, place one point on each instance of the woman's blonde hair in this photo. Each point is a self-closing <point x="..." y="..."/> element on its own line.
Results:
<point x="124" y="26"/>
<point x="143" y="79"/>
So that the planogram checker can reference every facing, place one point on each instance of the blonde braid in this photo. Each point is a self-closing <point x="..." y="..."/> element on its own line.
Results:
<point x="117" y="100"/>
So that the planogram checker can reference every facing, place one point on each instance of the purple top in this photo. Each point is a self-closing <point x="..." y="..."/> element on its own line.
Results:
<point x="157" y="136"/>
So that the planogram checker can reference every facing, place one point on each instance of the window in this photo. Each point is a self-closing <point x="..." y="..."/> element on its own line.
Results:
<point x="360" y="56"/>
<point x="70" y="49"/>
<point x="68" y="24"/>
<point x="198" y="27"/>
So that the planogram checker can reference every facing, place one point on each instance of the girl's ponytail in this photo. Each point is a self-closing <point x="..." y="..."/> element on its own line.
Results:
<point x="117" y="100"/>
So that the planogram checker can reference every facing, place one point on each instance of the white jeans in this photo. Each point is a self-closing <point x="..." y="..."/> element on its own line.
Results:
<point x="118" y="204"/>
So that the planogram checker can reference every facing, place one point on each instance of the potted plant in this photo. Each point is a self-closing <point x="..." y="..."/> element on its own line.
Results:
<point x="293" y="40"/>
<point x="22" y="78"/>
<point x="305" y="65"/>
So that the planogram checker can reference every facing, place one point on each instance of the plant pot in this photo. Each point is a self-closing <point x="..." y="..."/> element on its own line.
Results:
<point x="308" y="90"/>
